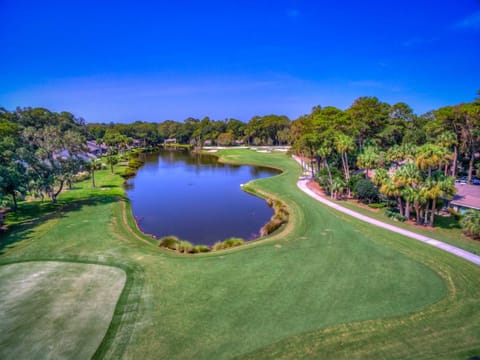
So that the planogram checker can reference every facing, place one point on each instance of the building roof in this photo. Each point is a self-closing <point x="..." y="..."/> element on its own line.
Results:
<point x="467" y="196"/>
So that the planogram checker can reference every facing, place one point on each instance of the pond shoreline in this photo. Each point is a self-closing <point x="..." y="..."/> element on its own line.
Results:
<point x="187" y="181"/>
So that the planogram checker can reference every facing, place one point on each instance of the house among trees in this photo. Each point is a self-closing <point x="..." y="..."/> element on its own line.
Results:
<point x="467" y="197"/>
<point x="136" y="143"/>
<point x="170" y="141"/>
<point x="96" y="149"/>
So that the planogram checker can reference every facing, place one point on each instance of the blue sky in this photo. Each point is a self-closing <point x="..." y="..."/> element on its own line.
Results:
<point x="123" y="61"/>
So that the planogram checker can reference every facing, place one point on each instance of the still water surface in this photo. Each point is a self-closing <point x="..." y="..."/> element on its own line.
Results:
<point x="196" y="198"/>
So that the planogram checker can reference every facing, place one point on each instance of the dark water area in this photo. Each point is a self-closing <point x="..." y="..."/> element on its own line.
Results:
<point x="196" y="198"/>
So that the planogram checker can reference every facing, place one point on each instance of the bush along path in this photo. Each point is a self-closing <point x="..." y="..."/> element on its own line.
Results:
<point x="302" y="184"/>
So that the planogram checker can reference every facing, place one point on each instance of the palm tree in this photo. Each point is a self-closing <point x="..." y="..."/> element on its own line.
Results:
<point x="344" y="144"/>
<point x="437" y="187"/>
<point x="432" y="191"/>
<point x="323" y="152"/>
<point x="398" y="153"/>
<point x="380" y="177"/>
<point x="337" y="187"/>
<point x="446" y="140"/>
<point x="406" y="179"/>
<point x="418" y="202"/>
<point x="93" y="165"/>
<point x="430" y="156"/>
<point x="389" y="189"/>
<point x="368" y="159"/>
<point x="112" y="160"/>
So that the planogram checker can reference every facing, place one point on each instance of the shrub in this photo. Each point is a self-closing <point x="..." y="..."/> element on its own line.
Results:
<point x="394" y="214"/>
<point x="377" y="205"/>
<point x="457" y="216"/>
<point x="366" y="190"/>
<point x="470" y="223"/>
<point x="135" y="163"/>
<point x="169" y="242"/>
<point x="129" y="172"/>
<point x="81" y="176"/>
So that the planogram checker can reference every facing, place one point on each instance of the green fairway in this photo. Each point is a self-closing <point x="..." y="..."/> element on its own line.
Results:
<point x="325" y="286"/>
<point x="56" y="309"/>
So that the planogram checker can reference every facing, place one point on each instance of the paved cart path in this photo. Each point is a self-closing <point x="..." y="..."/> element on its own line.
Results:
<point x="302" y="184"/>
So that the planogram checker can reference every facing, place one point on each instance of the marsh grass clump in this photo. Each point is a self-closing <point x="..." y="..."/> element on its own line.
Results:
<point x="217" y="246"/>
<point x="228" y="243"/>
<point x="169" y="242"/>
<point x="279" y="218"/>
<point x="232" y="242"/>
<point x="184" y="247"/>
<point x="134" y="163"/>
<point x="200" y="249"/>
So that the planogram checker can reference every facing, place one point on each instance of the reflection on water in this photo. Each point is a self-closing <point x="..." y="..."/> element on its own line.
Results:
<point x="196" y="198"/>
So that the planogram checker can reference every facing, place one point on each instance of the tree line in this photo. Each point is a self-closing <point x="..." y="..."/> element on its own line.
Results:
<point x="260" y="130"/>
<point x="375" y="149"/>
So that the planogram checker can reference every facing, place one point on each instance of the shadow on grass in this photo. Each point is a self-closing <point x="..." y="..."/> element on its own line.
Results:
<point x="21" y="223"/>
<point x="448" y="223"/>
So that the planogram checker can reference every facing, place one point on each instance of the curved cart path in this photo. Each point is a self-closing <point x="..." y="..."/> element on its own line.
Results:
<point x="302" y="184"/>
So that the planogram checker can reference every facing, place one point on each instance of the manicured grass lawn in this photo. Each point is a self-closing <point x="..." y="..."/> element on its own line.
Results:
<point x="56" y="309"/>
<point x="329" y="286"/>
<point x="446" y="229"/>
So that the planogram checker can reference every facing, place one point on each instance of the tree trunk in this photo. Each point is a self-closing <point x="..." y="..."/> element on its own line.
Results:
<point x="407" y="209"/>
<point x="93" y="178"/>
<point x="345" y="164"/>
<point x="14" y="198"/>
<point x="432" y="214"/>
<point x="400" y="205"/>
<point x="425" y="220"/>
<point x="416" y="205"/>
<point x="455" y="160"/>
<point x="470" y="166"/>
<point x="329" y="173"/>
<point x="55" y="194"/>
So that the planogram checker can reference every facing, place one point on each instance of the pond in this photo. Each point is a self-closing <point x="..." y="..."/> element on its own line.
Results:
<point x="196" y="198"/>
